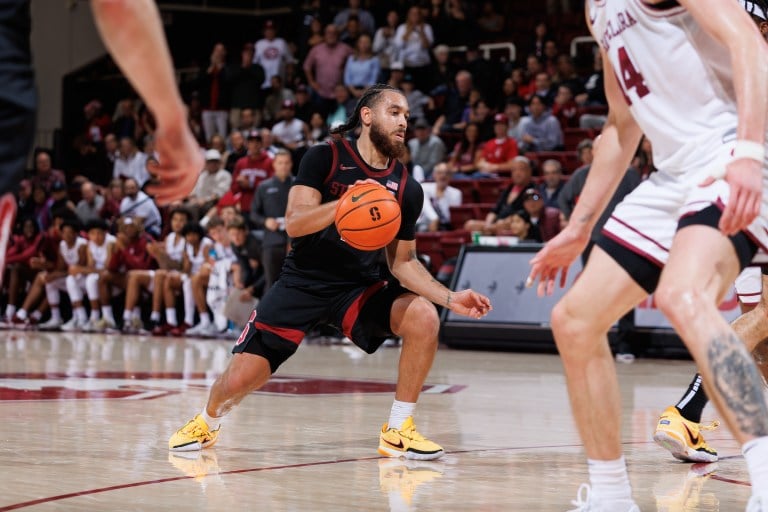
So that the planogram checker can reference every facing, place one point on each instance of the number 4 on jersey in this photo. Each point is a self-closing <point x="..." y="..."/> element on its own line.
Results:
<point x="631" y="78"/>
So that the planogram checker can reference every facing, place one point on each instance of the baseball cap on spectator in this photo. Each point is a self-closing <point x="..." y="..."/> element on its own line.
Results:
<point x="58" y="186"/>
<point x="531" y="193"/>
<point x="501" y="118"/>
<point x="421" y="123"/>
<point x="254" y="135"/>
<point x="396" y="66"/>
<point x="212" y="154"/>
<point x="584" y="144"/>
<point x="287" y="104"/>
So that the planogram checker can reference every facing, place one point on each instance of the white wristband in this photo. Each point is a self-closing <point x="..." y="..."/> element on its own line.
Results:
<point x="749" y="149"/>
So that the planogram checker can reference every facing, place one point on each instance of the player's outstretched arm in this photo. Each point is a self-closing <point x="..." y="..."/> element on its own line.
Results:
<point x="405" y="266"/>
<point x="748" y="50"/>
<point x="133" y="34"/>
<point x="613" y="154"/>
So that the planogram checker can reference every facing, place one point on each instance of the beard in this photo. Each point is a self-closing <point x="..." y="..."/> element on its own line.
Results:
<point x="384" y="144"/>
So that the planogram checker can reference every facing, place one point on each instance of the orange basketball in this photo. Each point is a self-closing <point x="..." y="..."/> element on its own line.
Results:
<point x="368" y="217"/>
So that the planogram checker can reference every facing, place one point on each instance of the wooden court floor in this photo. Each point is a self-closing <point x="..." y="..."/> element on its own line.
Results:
<point x="86" y="419"/>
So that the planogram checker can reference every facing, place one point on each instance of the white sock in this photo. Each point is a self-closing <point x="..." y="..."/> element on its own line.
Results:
<point x="10" y="310"/>
<point x="137" y="312"/>
<point x="127" y="315"/>
<point x="106" y="312"/>
<point x="609" y="479"/>
<point x="22" y="313"/>
<point x="189" y="302"/>
<point x="36" y="315"/>
<point x="213" y="423"/>
<point x="399" y="413"/>
<point x="756" y="455"/>
<point x="155" y="316"/>
<point x="205" y="319"/>
<point x="79" y="313"/>
<point x="94" y="314"/>
<point x="170" y="316"/>
<point x="55" y="313"/>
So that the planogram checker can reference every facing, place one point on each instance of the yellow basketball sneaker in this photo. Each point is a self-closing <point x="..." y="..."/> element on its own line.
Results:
<point x="193" y="436"/>
<point x="407" y="443"/>
<point x="682" y="438"/>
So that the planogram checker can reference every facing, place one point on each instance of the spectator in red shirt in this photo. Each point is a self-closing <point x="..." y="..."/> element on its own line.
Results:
<point x="130" y="253"/>
<point x="113" y="196"/>
<point x="565" y="108"/>
<point x="498" y="153"/>
<point x="21" y="248"/>
<point x="251" y="170"/>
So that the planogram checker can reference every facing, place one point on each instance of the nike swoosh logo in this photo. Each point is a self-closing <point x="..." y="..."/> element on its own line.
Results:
<point x="694" y="440"/>
<point x="398" y="445"/>
<point x="355" y="198"/>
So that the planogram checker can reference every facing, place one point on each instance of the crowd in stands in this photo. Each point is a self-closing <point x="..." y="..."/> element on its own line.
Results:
<point x="493" y="143"/>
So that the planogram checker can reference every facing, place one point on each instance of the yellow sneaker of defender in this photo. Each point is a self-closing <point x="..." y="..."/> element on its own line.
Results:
<point x="408" y="443"/>
<point x="195" y="435"/>
<point x="682" y="438"/>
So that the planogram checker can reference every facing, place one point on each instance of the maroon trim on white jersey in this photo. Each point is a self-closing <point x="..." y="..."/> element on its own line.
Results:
<point x="643" y="235"/>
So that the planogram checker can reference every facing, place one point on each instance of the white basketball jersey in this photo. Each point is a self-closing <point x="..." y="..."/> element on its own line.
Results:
<point x="677" y="80"/>
<point x="99" y="252"/>
<point x="174" y="246"/>
<point x="69" y="254"/>
<point x="197" y="259"/>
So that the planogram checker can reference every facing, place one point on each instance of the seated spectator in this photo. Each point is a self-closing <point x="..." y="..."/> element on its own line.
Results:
<point x="480" y="114"/>
<point x="519" y="225"/>
<point x="565" y="109"/>
<point x="25" y="206"/>
<point x="427" y="149"/>
<point x="417" y="100"/>
<point x="278" y="95"/>
<point x="318" y="129"/>
<point x="113" y="196"/>
<point x="45" y="175"/>
<point x="268" y="213"/>
<point x="428" y="219"/>
<point x="342" y="108"/>
<point x="584" y="150"/>
<point x="543" y="89"/>
<point x="169" y="256"/>
<point x="553" y="183"/>
<point x="290" y="132"/>
<point x="510" y="200"/>
<point x="362" y="67"/>
<point x="41" y="205"/>
<point x="89" y="207"/>
<point x="138" y="204"/>
<point x="212" y="184"/>
<point x="23" y="262"/>
<point x="59" y="199"/>
<point x="567" y="76"/>
<point x="540" y="130"/>
<point x="514" y="112"/>
<point x="130" y="253"/>
<point x="464" y="154"/>
<point x="545" y="219"/>
<point x="441" y="195"/>
<point x="498" y="153"/>
<point x="131" y="163"/>
<point x="72" y="252"/>
<point x="521" y="87"/>
<point x="456" y="101"/>
<point x="237" y="141"/>
<point x="86" y="277"/>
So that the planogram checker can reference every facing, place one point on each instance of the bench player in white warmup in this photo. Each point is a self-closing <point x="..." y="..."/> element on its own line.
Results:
<point x="693" y="76"/>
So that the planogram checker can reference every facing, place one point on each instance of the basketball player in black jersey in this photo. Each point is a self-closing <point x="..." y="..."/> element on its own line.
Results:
<point x="326" y="281"/>
<point x="133" y="33"/>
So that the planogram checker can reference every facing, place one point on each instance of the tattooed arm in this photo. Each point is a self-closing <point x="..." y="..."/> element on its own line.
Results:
<point x="405" y="266"/>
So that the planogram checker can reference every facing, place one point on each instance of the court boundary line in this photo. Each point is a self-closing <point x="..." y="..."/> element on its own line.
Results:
<point x="99" y="490"/>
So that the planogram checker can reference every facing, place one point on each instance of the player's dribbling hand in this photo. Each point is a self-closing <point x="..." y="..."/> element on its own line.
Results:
<point x="745" y="179"/>
<point x="470" y="303"/>
<point x="180" y="163"/>
<point x="555" y="258"/>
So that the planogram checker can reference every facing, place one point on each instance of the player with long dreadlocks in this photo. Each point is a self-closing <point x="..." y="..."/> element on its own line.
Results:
<point x="326" y="281"/>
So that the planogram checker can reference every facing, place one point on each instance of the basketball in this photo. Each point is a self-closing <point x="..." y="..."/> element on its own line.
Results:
<point x="368" y="217"/>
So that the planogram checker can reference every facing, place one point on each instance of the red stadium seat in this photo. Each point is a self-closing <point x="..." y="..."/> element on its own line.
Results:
<point x="468" y="190"/>
<point x="461" y="214"/>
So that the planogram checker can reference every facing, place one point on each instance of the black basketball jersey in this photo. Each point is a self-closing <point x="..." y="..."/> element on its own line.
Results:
<point x="331" y="169"/>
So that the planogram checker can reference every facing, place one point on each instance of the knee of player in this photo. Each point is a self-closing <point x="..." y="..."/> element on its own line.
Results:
<point x="679" y="301"/>
<point x="421" y="318"/>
